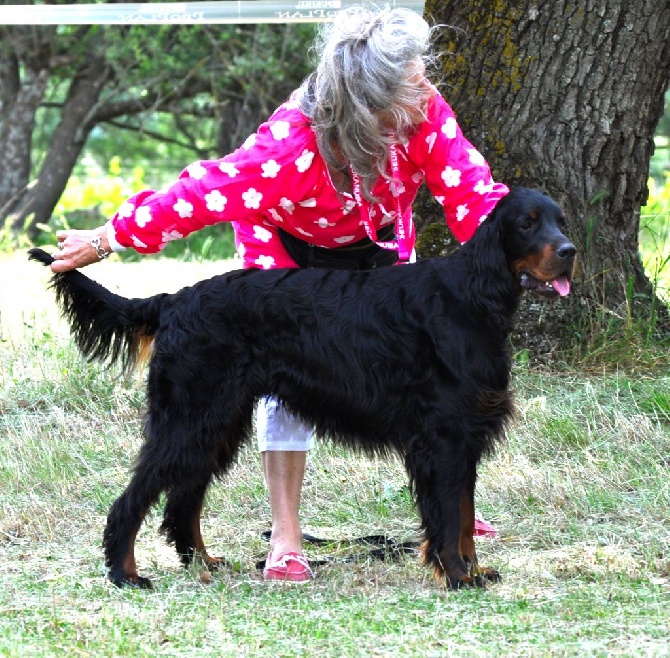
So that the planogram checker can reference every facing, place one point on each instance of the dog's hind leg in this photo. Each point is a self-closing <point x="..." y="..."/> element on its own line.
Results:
<point x="186" y="494"/>
<point x="123" y="523"/>
<point x="181" y="523"/>
<point x="154" y="473"/>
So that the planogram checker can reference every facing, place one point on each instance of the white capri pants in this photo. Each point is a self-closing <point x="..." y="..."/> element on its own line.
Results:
<point x="277" y="430"/>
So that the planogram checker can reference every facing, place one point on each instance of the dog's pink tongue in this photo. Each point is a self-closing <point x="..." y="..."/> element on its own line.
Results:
<point x="561" y="285"/>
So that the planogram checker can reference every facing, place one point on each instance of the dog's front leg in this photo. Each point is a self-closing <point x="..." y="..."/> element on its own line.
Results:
<point x="479" y="574"/>
<point x="438" y="488"/>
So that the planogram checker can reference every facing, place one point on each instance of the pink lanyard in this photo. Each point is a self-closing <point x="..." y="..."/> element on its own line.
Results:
<point x="404" y="244"/>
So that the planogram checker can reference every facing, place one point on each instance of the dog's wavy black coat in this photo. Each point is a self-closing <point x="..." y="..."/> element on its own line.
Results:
<point x="412" y="360"/>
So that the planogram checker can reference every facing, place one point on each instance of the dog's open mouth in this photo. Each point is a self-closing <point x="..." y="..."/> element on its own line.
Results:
<point x="560" y="286"/>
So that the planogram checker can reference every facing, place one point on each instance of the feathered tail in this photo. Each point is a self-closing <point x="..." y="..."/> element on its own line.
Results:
<point x="106" y="327"/>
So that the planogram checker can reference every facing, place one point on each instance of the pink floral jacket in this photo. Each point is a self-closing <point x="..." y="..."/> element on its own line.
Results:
<point x="277" y="178"/>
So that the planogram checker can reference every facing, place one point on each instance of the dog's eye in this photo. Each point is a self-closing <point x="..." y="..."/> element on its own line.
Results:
<point x="526" y="223"/>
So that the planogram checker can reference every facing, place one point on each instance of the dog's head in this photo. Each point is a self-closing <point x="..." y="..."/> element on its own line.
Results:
<point x="539" y="254"/>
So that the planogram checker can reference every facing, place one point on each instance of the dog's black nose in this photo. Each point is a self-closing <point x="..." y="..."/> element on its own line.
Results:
<point x="566" y="251"/>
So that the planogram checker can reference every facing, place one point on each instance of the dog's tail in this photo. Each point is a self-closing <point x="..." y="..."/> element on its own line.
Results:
<point x="106" y="326"/>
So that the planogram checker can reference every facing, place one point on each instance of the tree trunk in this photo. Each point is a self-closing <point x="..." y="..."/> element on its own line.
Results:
<point x="19" y="102"/>
<point x="65" y="146"/>
<point x="565" y="96"/>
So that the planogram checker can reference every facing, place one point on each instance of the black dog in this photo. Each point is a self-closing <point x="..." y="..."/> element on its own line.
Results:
<point x="411" y="359"/>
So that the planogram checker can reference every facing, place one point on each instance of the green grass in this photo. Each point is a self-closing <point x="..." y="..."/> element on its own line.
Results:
<point x="579" y="491"/>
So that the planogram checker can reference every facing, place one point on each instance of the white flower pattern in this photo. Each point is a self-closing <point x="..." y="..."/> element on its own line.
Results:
<point x="270" y="169"/>
<point x="196" y="170"/>
<point x="276" y="217"/>
<point x="450" y="128"/>
<point x="137" y="242"/>
<point x="142" y="216"/>
<point x="262" y="234"/>
<point x="483" y="188"/>
<point x="215" y="201"/>
<point x="265" y="262"/>
<point x="287" y="205"/>
<point x="451" y="176"/>
<point x="280" y="130"/>
<point x="387" y="218"/>
<point x="304" y="162"/>
<point x="252" y="199"/>
<point x="397" y="188"/>
<point x="183" y="208"/>
<point x="169" y="236"/>
<point x="125" y="210"/>
<point x="462" y="212"/>
<point x="229" y="168"/>
<point x="476" y="158"/>
<point x="348" y="206"/>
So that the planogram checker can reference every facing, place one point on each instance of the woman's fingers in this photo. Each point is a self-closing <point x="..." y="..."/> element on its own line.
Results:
<point x="75" y="249"/>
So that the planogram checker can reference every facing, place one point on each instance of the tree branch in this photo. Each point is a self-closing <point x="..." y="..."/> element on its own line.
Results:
<point x="158" y="136"/>
<point x="107" y="111"/>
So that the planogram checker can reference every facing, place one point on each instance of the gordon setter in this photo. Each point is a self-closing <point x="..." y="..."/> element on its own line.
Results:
<point x="412" y="360"/>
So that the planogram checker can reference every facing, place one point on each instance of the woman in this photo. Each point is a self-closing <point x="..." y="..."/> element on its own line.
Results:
<point x="329" y="176"/>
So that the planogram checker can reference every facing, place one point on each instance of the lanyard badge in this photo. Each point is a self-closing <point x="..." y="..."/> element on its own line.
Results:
<point x="404" y="242"/>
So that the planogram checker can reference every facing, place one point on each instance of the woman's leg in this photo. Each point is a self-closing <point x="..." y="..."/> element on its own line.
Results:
<point x="283" y="476"/>
<point x="283" y="441"/>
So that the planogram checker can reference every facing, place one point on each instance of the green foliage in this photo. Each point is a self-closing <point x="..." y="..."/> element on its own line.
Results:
<point x="10" y="240"/>
<point x="660" y="160"/>
<point x="176" y="93"/>
<point x="100" y="190"/>
<point x="628" y="337"/>
<point x="655" y="236"/>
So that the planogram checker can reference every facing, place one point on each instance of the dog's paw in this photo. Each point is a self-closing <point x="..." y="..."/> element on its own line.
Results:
<point x="480" y="577"/>
<point x="214" y="563"/>
<point x="125" y="580"/>
<point x="488" y="575"/>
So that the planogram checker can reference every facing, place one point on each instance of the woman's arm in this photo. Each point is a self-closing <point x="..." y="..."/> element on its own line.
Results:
<point x="455" y="172"/>
<point x="274" y="163"/>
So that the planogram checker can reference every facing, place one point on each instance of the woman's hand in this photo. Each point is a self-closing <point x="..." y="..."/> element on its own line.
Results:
<point x="76" y="250"/>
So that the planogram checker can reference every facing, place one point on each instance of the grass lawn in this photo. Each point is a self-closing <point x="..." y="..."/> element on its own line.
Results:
<point x="580" y="493"/>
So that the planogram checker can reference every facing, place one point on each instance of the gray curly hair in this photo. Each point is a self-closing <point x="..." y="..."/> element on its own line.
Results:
<point x="365" y="88"/>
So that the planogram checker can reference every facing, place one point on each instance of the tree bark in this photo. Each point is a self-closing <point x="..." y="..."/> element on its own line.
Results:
<point x="19" y="102"/>
<point x="65" y="146"/>
<point x="565" y="96"/>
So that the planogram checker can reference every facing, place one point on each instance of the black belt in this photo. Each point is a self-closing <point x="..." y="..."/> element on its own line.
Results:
<point x="361" y="255"/>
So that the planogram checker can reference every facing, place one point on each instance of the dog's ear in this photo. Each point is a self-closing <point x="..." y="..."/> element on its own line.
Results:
<point x="488" y="242"/>
<point x="490" y="279"/>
